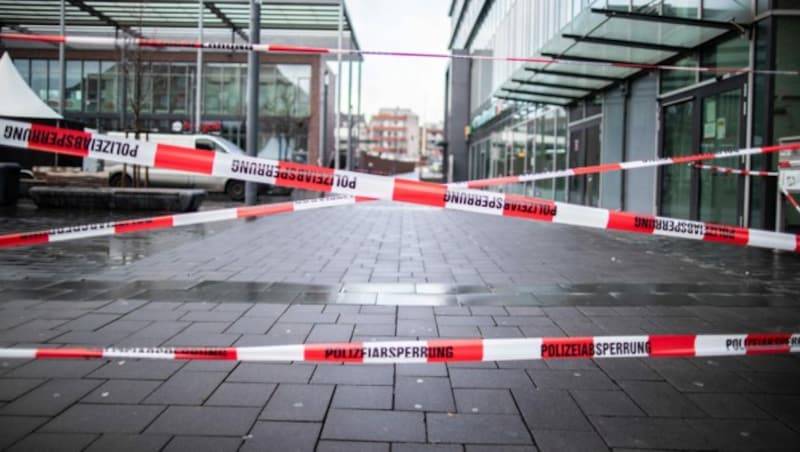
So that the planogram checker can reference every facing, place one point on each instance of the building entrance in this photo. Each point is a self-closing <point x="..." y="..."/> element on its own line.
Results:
<point x="707" y="120"/>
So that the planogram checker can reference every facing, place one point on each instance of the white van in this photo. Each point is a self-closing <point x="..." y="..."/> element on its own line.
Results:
<point x="171" y="178"/>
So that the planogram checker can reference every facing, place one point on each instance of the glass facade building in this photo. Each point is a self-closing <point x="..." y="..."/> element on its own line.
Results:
<point x="157" y="89"/>
<point x="536" y="116"/>
<point x="161" y="93"/>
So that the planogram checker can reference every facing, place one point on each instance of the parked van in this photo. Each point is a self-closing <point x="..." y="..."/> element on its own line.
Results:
<point x="159" y="177"/>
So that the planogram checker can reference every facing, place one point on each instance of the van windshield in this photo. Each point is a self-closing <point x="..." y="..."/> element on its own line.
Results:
<point x="230" y="146"/>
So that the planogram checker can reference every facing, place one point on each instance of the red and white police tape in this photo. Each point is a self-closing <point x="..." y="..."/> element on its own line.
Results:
<point x="446" y="350"/>
<point x="288" y="174"/>
<point x="634" y="164"/>
<point x="278" y="48"/>
<point x="725" y="170"/>
<point x="167" y="221"/>
<point x="791" y="199"/>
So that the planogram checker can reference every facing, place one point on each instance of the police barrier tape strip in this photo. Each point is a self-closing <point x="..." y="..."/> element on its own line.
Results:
<point x="791" y="199"/>
<point x="279" y="48"/>
<point x="104" y="229"/>
<point x="445" y="350"/>
<point x="743" y="172"/>
<point x="620" y="166"/>
<point x="167" y="221"/>
<point x="789" y="164"/>
<point x="288" y="174"/>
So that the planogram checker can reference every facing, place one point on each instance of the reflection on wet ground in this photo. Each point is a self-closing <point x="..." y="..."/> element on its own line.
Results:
<point x="93" y="254"/>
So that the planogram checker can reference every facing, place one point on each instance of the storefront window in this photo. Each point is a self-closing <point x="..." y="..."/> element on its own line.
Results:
<point x="91" y="85"/>
<point x="233" y="79"/>
<point x="160" y="90"/>
<point x="53" y="83"/>
<point x="179" y="89"/>
<point x="212" y="89"/>
<point x="74" y="91"/>
<point x="39" y="78"/>
<point x="24" y="69"/>
<point x="109" y="93"/>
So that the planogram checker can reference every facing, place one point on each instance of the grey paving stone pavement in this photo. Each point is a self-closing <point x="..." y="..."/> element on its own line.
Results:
<point x="403" y="273"/>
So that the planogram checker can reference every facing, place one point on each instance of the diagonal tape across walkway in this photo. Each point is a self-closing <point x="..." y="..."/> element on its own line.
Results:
<point x="85" y="144"/>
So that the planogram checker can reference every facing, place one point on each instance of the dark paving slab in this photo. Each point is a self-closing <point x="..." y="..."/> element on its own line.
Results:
<point x="91" y="418"/>
<point x="372" y="425"/>
<point x="195" y="420"/>
<point x="128" y="443"/>
<point x="54" y="441"/>
<point x="477" y="428"/>
<point x="203" y="444"/>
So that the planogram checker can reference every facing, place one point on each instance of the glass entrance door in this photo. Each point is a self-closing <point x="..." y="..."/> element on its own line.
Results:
<point x="676" y="180"/>
<point x="585" y="151"/>
<point x="709" y="120"/>
<point x="721" y="123"/>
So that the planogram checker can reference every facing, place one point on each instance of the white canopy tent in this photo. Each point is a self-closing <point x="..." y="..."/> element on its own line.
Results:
<point x="17" y="99"/>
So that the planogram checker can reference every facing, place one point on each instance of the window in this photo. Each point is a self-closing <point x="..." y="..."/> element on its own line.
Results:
<point x="160" y="81"/>
<point x="74" y="86"/>
<point x="179" y="87"/>
<point x="672" y="80"/>
<point x="733" y="53"/>
<point x="91" y="85"/>
<point x="108" y="86"/>
<point x="39" y="78"/>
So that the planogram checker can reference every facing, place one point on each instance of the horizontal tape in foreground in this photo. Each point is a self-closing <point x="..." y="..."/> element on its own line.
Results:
<point x="456" y="350"/>
<point x="83" y="231"/>
<point x="288" y="174"/>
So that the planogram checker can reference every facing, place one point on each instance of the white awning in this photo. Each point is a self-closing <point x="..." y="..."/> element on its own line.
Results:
<point x="17" y="99"/>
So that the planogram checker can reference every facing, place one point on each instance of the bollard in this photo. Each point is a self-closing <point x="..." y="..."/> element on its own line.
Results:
<point x="9" y="183"/>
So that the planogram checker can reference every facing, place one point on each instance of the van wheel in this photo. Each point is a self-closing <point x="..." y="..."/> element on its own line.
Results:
<point x="116" y="180"/>
<point x="235" y="190"/>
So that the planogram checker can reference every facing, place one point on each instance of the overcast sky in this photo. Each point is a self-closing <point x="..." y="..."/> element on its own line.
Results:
<point x="406" y="25"/>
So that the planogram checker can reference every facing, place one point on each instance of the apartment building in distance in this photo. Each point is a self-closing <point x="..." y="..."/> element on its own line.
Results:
<point x="430" y="143"/>
<point x="395" y="132"/>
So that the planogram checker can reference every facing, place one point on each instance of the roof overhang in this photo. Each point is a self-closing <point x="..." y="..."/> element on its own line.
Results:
<point x="295" y="22"/>
<point x="622" y="40"/>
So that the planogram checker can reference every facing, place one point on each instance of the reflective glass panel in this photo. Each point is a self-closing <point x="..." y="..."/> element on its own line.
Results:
<point x="672" y="80"/>
<point x="733" y="53"/>
<point x="74" y="87"/>
<point x="109" y="93"/>
<point x="179" y="89"/>
<point x="720" y="132"/>
<point x="39" y="78"/>
<point x="676" y="179"/>
<point x="91" y="85"/>
<point x="160" y="87"/>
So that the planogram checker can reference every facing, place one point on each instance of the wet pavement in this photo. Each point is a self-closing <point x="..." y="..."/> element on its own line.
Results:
<point x="381" y="271"/>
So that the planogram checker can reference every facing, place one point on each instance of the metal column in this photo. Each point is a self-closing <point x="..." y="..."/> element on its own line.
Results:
<point x="199" y="70"/>
<point x="338" y="88"/>
<point x="62" y="64"/>
<point x="349" y="114"/>
<point x="251" y="189"/>
<point x="358" y="114"/>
